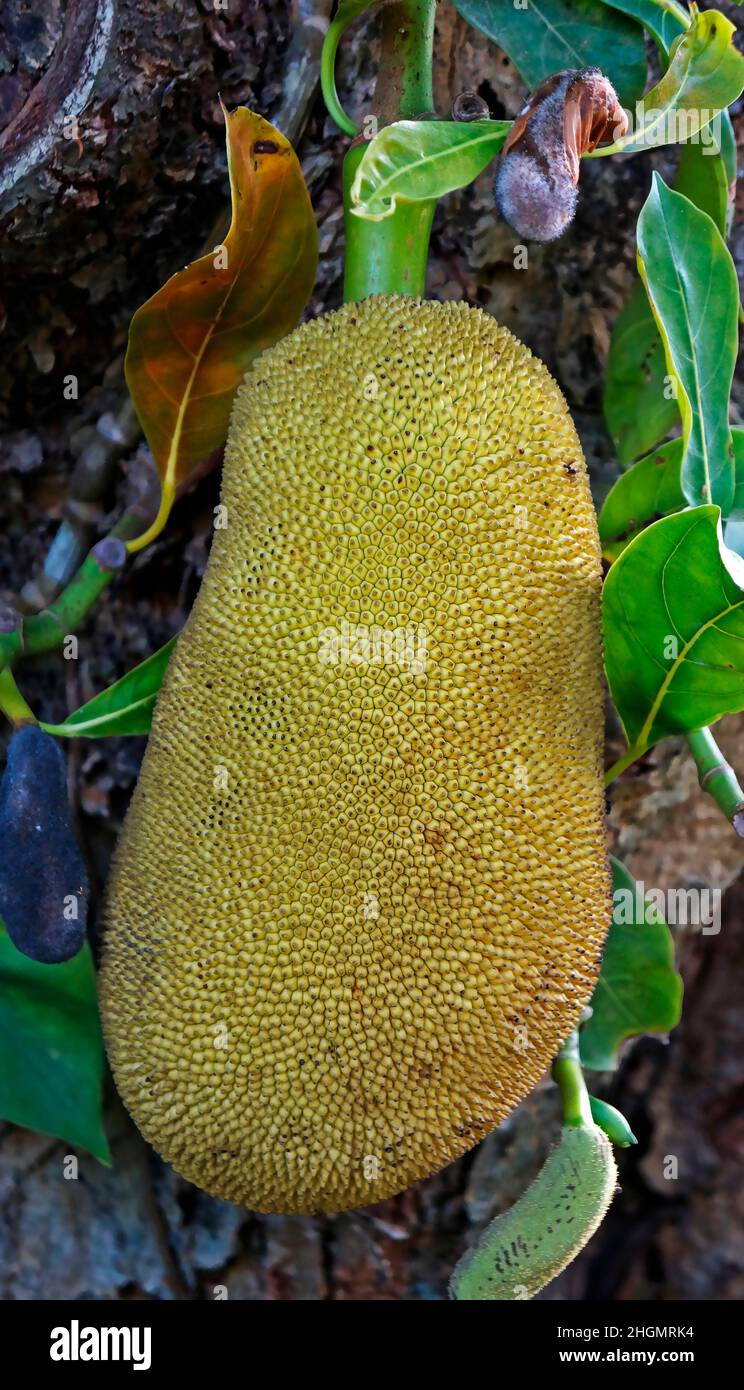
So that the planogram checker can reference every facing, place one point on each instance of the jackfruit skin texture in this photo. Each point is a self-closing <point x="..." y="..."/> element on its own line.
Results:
<point x="527" y="1246"/>
<point x="358" y="904"/>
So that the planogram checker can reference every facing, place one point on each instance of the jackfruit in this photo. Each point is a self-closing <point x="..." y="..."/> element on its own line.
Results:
<point x="527" y="1246"/>
<point x="361" y="892"/>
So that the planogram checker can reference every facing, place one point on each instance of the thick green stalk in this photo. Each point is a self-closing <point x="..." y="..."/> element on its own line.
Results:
<point x="389" y="257"/>
<point x="569" y="1078"/>
<point x="404" y="86"/>
<point x="717" y="777"/>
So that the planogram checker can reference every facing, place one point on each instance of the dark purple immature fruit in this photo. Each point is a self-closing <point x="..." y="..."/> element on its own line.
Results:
<point x="43" y="883"/>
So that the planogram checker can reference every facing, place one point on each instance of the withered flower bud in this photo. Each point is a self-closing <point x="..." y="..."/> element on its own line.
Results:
<point x="536" y="183"/>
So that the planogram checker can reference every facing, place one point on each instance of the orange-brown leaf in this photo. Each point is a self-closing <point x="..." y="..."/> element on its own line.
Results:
<point x="190" y="345"/>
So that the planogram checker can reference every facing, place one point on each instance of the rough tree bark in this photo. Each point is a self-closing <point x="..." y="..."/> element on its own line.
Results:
<point x="93" y="216"/>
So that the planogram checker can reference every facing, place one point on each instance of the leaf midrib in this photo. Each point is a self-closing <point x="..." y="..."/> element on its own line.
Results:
<point x="648" y="724"/>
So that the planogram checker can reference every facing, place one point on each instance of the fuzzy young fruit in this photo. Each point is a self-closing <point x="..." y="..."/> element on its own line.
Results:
<point x="362" y="889"/>
<point x="522" y="1250"/>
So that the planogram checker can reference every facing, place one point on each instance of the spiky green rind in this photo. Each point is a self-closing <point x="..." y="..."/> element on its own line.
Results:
<point x="522" y="1250"/>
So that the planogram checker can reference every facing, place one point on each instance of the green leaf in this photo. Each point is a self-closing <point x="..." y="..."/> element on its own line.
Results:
<point x="638" y="990"/>
<point x="728" y="153"/>
<point x="652" y="488"/>
<point x="703" y="179"/>
<point x="673" y="624"/>
<point x="649" y="490"/>
<point x="552" y="34"/>
<point x="694" y="294"/>
<point x="125" y="708"/>
<point x="415" y="161"/>
<point x="51" y="1051"/>
<point x="637" y="411"/>
<point x="664" y="24"/>
<point x="705" y="75"/>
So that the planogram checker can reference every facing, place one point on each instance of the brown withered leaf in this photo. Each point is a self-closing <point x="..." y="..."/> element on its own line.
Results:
<point x="190" y="344"/>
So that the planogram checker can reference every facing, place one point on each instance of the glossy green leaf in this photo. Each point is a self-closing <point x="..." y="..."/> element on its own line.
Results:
<point x="665" y="24"/>
<point x="703" y="178"/>
<point x="704" y="76"/>
<point x="638" y="990"/>
<point x="415" y="161"/>
<point x="125" y="708"/>
<point x="638" y="409"/>
<point x="673" y="625"/>
<point x="553" y="34"/>
<point x="649" y="490"/>
<point x="652" y="488"/>
<point x="692" y="287"/>
<point x="51" y="1051"/>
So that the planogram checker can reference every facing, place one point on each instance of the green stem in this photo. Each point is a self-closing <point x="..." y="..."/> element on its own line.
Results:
<point x="389" y="257"/>
<point x="630" y="755"/>
<point x="569" y="1078"/>
<point x="12" y="702"/>
<point x="336" y="29"/>
<point x="45" y="631"/>
<point x="404" y="90"/>
<point x="717" y="777"/>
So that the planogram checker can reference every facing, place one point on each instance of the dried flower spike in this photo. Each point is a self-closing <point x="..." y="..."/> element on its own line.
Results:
<point x="536" y="183"/>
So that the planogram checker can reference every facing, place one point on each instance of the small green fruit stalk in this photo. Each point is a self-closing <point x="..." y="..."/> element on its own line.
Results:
<point x="386" y="257"/>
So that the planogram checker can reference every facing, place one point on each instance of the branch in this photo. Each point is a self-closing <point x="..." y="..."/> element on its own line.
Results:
<point x="717" y="777"/>
<point x="389" y="257"/>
